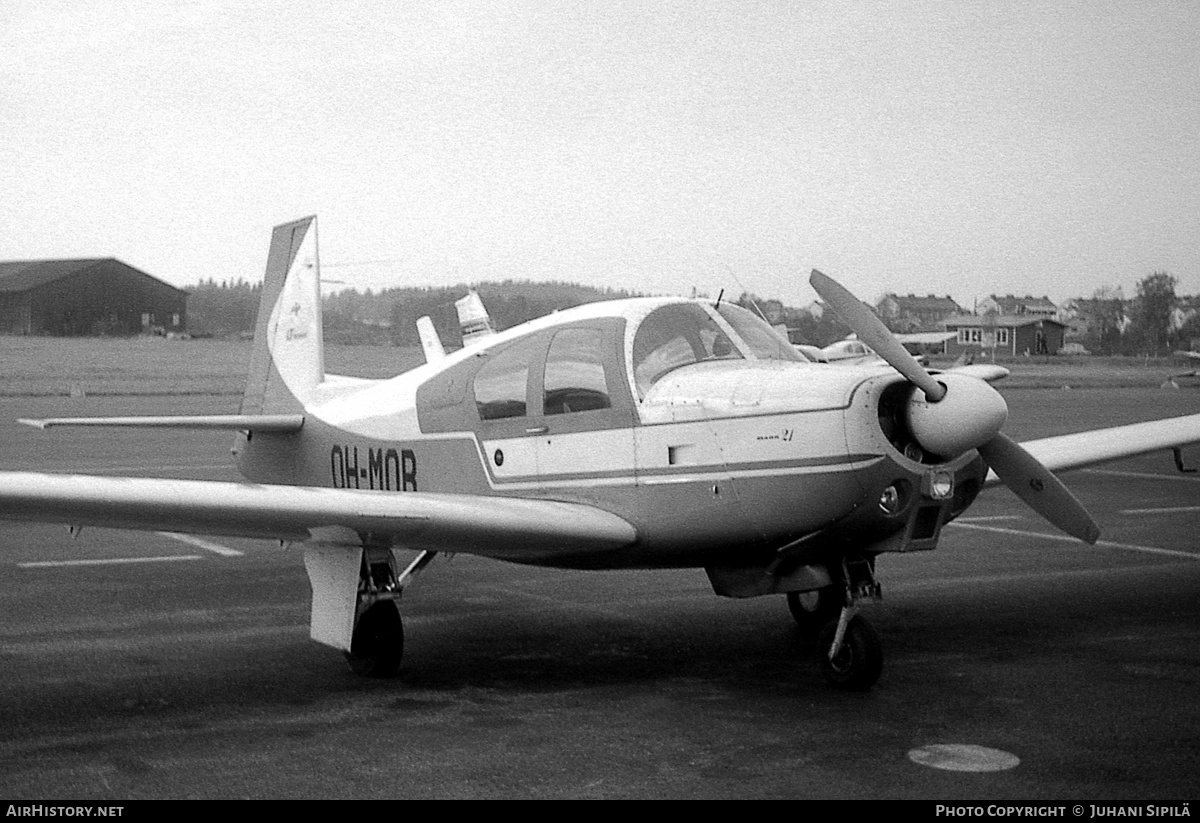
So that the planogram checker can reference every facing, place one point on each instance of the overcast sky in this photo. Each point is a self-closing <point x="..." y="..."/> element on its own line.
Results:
<point x="950" y="147"/>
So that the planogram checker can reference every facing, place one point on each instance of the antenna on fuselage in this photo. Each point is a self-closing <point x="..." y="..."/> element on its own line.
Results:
<point x="746" y="292"/>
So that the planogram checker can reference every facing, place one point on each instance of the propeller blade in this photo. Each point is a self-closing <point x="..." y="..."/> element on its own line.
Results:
<point x="871" y="330"/>
<point x="1039" y="488"/>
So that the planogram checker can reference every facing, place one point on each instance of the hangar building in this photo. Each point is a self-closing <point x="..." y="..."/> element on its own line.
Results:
<point x="1012" y="334"/>
<point x="101" y="296"/>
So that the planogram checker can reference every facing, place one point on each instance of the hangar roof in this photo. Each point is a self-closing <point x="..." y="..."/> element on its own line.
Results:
<point x="22" y="275"/>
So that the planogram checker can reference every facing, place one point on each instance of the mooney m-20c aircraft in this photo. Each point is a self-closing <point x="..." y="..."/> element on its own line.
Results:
<point x="852" y="350"/>
<point x="643" y="433"/>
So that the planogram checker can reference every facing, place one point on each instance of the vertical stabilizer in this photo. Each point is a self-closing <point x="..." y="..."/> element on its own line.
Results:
<point x="288" y="361"/>
<point x="473" y="318"/>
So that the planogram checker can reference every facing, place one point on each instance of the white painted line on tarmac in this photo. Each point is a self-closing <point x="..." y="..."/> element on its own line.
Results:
<point x="989" y="518"/>
<point x="199" y="543"/>
<point x="1063" y="538"/>
<point x="1187" y="478"/>
<point x="964" y="757"/>
<point x="111" y="561"/>
<point x="1167" y="510"/>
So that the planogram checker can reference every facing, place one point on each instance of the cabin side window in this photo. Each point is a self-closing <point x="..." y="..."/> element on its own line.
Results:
<point x="501" y="385"/>
<point x="574" y="379"/>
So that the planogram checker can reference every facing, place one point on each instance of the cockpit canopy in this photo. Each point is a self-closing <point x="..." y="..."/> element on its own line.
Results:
<point x="591" y="365"/>
<point x="680" y="334"/>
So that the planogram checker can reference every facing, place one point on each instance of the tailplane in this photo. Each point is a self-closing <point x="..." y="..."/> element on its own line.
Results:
<point x="288" y="362"/>
<point x="431" y="344"/>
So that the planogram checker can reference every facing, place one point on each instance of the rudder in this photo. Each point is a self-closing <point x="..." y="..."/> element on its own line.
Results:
<point x="288" y="360"/>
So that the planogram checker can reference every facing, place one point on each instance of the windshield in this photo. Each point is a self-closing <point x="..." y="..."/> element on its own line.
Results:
<point x="764" y="341"/>
<point x="674" y="336"/>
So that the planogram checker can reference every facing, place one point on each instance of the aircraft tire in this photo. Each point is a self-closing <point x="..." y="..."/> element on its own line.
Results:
<point x="812" y="610"/>
<point x="378" y="642"/>
<point x="859" y="663"/>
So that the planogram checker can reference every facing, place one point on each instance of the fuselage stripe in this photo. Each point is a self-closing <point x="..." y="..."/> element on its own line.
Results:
<point x="681" y="474"/>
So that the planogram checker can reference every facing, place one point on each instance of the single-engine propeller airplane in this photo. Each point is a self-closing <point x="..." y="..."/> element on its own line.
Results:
<point x="642" y="433"/>
<point x="851" y="350"/>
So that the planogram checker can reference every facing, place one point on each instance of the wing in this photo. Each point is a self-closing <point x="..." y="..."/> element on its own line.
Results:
<point x="1077" y="451"/>
<point x="501" y="527"/>
<point x="234" y="422"/>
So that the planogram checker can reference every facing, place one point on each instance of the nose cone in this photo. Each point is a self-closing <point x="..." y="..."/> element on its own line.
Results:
<point x="969" y="415"/>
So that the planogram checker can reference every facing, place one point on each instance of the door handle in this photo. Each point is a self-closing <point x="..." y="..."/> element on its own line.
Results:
<point x="537" y="430"/>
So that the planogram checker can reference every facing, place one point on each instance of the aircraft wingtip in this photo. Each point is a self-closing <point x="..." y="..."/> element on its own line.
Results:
<point x="37" y="424"/>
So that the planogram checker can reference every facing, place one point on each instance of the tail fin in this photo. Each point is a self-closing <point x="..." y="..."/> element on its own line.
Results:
<point x="288" y="361"/>
<point x="473" y="318"/>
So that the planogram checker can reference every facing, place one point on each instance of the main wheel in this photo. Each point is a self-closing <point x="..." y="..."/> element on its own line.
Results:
<point x="859" y="662"/>
<point x="812" y="610"/>
<point x="378" y="642"/>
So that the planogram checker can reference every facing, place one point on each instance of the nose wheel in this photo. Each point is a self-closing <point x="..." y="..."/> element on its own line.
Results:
<point x="854" y="662"/>
<point x="851" y="654"/>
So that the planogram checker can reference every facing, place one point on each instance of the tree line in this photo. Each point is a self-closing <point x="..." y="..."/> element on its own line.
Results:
<point x="1114" y="325"/>
<point x="389" y="317"/>
<point x="1155" y="322"/>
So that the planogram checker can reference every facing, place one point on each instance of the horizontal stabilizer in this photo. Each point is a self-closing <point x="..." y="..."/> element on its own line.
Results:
<point x="282" y="423"/>
<point x="431" y="344"/>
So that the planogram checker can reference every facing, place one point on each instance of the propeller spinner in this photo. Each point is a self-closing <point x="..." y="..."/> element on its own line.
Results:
<point x="954" y="413"/>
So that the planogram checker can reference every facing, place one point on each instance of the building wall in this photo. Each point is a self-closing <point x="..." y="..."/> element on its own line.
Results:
<point x="109" y="298"/>
<point x="14" y="313"/>
<point x="1019" y="338"/>
<point x="1027" y="338"/>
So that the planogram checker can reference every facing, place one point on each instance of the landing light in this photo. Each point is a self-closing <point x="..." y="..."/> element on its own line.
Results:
<point x="892" y="500"/>
<point x="941" y="485"/>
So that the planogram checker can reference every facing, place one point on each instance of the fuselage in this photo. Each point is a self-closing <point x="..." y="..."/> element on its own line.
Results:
<point x="696" y="423"/>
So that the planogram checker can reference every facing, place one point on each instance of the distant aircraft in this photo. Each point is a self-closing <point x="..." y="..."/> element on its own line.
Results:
<point x="853" y="350"/>
<point x="1186" y="355"/>
<point x="647" y="433"/>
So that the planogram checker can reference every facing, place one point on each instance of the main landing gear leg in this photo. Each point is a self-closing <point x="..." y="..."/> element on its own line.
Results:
<point x="850" y="650"/>
<point x="377" y="644"/>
